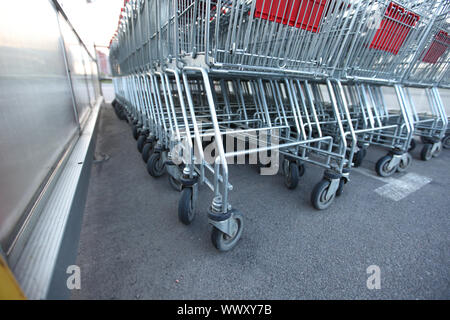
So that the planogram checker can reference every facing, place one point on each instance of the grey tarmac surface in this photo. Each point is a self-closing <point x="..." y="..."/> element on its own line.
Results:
<point x="133" y="246"/>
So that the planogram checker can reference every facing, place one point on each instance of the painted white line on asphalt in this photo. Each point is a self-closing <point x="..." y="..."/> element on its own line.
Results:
<point x="397" y="188"/>
<point x="403" y="187"/>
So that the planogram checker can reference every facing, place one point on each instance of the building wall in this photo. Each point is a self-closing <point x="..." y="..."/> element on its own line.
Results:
<point x="37" y="114"/>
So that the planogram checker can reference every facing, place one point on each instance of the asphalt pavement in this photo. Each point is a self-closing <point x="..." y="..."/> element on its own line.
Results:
<point x="133" y="246"/>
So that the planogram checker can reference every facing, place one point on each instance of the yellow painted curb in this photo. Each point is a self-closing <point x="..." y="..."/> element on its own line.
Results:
<point x="9" y="288"/>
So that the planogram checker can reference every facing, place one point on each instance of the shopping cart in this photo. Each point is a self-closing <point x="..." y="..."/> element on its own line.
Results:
<point x="381" y="124"/>
<point x="288" y="82"/>
<point x="380" y="52"/>
<point x="446" y="139"/>
<point x="429" y="70"/>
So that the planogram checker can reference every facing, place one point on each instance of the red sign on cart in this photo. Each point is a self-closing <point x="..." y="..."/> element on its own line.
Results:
<point x="394" y="28"/>
<point x="438" y="47"/>
<point x="304" y="14"/>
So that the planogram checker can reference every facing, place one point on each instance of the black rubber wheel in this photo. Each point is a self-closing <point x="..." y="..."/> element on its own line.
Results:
<point x="292" y="176"/>
<point x="175" y="184"/>
<point x="186" y="212"/>
<point x="122" y="116"/>
<point x="340" y="189"/>
<point x="446" y="142"/>
<point x="301" y="170"/>
<point x="359" y="157"/>
<point x="222" y="241"/>
<point x="381" y="167"/>
<point x="141" y="142"/>
<point x="135" y="132"/>
<point x="402" y="167"/>
<point x="147" y="151"/>
<point x="155" y="166"/>
<point x="319" y="193"/>
<point x="412" y="145"/>
<point x="426" y="153"/>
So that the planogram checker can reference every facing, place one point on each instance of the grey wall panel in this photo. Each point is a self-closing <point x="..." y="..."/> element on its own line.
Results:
<point x="98" y="86"/>
<point x="75" y="55"/>
<point x="420" y="100"/>
<point x="419" y="97"/>
<point x="390" y="98"/>
<point x="89" y="79"/>
<point x="36" y="111"/>
<point x="94" y="77"/>
<point x="445" y="96"/>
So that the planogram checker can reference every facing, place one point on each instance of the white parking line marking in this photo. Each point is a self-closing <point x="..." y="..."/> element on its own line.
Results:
<point x="397" y="188"/>
<point x="403" y="187"/>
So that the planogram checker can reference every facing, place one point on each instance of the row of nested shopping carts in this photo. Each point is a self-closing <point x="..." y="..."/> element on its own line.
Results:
<point x="284" y="83"/>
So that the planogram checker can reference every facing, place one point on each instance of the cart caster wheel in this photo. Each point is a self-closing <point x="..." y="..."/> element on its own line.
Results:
<point x="403" y="166"/>
<point x="224" y="242"/>
<point x="135" y="132"/>
<point x="359" y="158"/>
<point x="147" y="151"/>
<point x="291" y="176"/>
<point x="446" y="142"/>
<point x="186" y="212"/>
<point x="155" y="165"/>
<point x="301" y="170"/>
<point x="176" y="185"/>
<point x="122" y="116"/>
<point x="141" y="142"/>
<point x="318" y="196"/>
<point x="426" y="153"/>
<point x="412" y="145"/>
<point x="382" y="165"/>
<point x="340" y="189"/>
